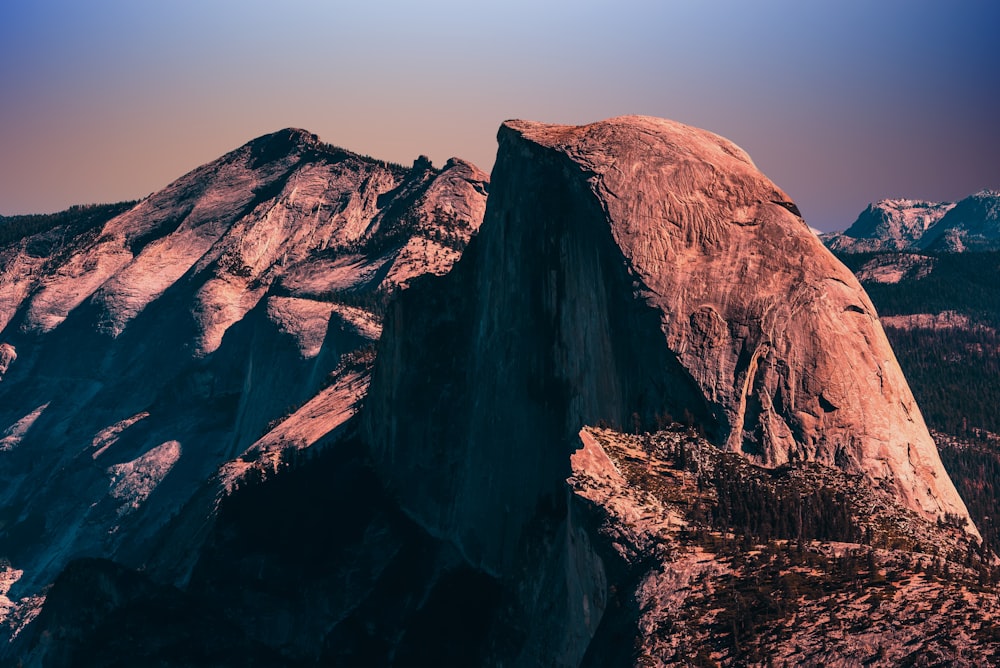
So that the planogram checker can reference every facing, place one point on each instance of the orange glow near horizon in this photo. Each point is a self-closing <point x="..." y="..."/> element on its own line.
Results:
<point x="840" y="105"/>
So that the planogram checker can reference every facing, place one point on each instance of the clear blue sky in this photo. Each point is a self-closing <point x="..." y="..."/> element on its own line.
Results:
<point x="840" y="103"/>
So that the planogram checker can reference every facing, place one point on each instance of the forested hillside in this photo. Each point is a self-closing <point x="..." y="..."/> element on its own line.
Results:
<point x="952" y="363"/>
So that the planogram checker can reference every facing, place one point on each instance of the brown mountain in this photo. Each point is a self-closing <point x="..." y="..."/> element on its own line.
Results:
<point x="149" y="354"/>
<point x="637" y="267"/>
<point x="486" y="507"/>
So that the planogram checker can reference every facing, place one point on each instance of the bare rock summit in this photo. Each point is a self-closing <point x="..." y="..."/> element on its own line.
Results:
<point x="971" y="224"/>
<point x="626" y="271"/>
<point x="781" y="339"/>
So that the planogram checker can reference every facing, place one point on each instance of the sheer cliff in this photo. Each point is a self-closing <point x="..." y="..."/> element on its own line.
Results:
<point x="631" y="269"/>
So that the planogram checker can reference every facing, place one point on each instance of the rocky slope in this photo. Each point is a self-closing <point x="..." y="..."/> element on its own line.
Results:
<point x="973" y="224"/>
<point x="721" y="562"/>
<point x="152" y="355"/>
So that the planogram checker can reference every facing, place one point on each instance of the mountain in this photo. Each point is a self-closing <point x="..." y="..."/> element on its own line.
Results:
<point x="899" y="224"/>
<point x="889" y="224"/>
<point x="973" y="224"/>
<point x="644" y="417"/>
<point x="154" y="354"/>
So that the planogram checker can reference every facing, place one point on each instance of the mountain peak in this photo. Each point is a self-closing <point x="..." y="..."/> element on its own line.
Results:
<point x="630" y="269"/>
<point x="890" y="224"/>
<point x="291" y="136"/>
<point x="986" y="193"/>
<point x="623" y="130"/>
<point x="910" y="224"/>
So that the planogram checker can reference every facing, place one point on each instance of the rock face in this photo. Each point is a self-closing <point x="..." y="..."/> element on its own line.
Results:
<point x="7" y="357"/>
<point x="159" y="346"/>
<point x="626" y="270"/>
<point x="889" y="224"/>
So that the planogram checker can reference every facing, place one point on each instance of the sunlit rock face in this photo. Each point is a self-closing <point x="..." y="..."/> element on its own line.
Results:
<point x="627" y="272"/>
<point x="632" y="272"/>
<point x="142" y="355"/>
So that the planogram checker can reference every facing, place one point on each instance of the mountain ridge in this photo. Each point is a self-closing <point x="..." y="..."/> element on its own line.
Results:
<point x="144" y="351"/>
<point x="378" y="433"/>
<point x="972" y="223"/>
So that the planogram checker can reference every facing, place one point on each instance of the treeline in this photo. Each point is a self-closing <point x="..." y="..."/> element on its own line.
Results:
<point x="76" y="218"/>
<point x="762" y="504"/>
<point x="976" y="473"/>
<point x="965" y="282"/>
<point x="954" y="375"/>
<point x="750" y="506"/>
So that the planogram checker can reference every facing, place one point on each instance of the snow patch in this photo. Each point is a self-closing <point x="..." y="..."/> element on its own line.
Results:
<point x="132" y="482"/>
<point x="13" y="434"/>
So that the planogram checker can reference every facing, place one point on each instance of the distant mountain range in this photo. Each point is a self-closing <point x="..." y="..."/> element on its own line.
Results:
<point x="902" y="224"/>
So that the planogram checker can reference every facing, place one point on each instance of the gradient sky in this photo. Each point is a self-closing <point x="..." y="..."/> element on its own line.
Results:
<point x="840" y="103"/>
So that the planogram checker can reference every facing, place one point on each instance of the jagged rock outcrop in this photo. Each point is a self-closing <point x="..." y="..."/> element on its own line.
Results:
<point x="159" y="343"/>
<point x="715" y="561"/>
<point x="7" y="356"/>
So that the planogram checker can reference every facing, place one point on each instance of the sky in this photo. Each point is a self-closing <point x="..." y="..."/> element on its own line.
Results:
<point x="839" y="103"/>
